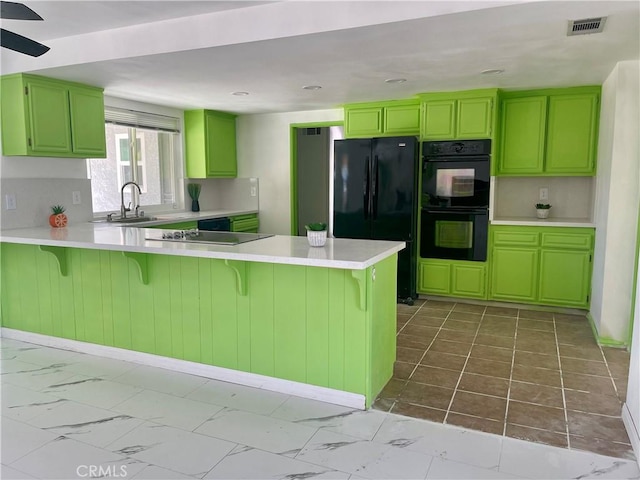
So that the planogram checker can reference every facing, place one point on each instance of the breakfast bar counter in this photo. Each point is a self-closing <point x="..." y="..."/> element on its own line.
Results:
<point x="273" y="313"/>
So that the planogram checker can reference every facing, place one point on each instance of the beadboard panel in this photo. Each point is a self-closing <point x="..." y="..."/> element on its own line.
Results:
<point x="298" y="323"/>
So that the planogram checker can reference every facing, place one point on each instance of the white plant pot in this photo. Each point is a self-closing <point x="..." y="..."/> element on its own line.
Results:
<point x="317" y="238"/>
<point x="542" y="212"/>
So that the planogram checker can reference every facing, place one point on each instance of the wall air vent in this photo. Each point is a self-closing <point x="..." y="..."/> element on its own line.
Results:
<point x="586" y="26"/>
<point x="311" y="131"/>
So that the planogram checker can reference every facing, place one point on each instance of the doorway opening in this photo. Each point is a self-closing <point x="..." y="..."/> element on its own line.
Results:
<point x="312" y="174"/>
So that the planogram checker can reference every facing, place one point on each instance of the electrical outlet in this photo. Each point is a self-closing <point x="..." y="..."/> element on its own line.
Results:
<point x="254" y="191"/>
<point x="77" y="200"/>
<point x="10" y="201"/>
<point x="544" y="193"/>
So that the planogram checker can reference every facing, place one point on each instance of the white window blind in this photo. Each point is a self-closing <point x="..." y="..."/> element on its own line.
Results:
<point x="135" y="119"/>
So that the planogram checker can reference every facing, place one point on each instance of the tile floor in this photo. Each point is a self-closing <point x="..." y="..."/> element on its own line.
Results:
<point x="533" y="375"/>
<point x="67" y="415"/>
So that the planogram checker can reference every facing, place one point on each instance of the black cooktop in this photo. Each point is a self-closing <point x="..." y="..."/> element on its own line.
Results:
<point x="203" y="236"/>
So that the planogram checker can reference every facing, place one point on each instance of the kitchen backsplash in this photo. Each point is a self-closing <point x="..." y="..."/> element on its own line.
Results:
<point x="226" y="193"/>
<point x="35" y="196"/>
<point x="570" y="197"/>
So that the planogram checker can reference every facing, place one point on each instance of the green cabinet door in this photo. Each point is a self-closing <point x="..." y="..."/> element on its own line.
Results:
<point x="365" y="122"/>
<point x="565" y="278"/>
<point x="523" y="135"/>
<point x="435" y="277"/>
<point x="221" y="145"/>
<point x="474" y="117"/>
<point x="86" y="108"/>
<point x="514" y="274"/>
<point x="571" y="136"/>
<point x="438" y="120"/>
<point x="402" y="119"/>
<point x="468" y="280"/>
<point x="49" y="117"/>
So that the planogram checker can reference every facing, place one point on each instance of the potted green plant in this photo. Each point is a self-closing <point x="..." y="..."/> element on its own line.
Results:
<point x="316" y="234"/>
<point x="542" y="210"/>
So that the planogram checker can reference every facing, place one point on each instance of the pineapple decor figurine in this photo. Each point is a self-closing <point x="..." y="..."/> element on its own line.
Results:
<point x="58" y="219"/>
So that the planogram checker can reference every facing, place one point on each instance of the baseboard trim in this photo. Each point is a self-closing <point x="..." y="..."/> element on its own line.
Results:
<point x="632" y="430"/>
<point x="604" y="341"/>
<point x="313" y="392"/>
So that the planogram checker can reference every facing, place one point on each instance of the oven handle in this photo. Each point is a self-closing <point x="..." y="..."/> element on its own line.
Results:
<point x="477" y="211"/>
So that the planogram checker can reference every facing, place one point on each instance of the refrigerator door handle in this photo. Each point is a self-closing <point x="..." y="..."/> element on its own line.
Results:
<point x="365" y="189"/>
<point x="374" y="188"/>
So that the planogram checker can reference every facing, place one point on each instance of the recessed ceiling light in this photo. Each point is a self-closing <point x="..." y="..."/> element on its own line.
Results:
<point x="396" y="80"/>
<point x="492" y="71"/>
<point x="312" y="87"/>
<point x="240" y="94"/>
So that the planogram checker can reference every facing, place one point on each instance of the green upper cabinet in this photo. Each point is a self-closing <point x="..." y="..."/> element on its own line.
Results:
<point x="549" y="132"/>
<point x="523" y="128"/>
<point x="572" y="135"/>
<point x="51" y="118"/>
<point x="382" y="119"/>
<point x="210" y="144"/>
<point x="458" y="115"/>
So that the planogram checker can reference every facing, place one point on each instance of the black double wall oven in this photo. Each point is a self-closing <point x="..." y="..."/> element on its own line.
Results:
<point x="455" y="199"/>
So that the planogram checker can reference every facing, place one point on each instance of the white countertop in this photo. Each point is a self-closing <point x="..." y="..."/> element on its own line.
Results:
<point x="165" y="218"/>
<point x="337" y="253"/>
<point x="543" y="222"/>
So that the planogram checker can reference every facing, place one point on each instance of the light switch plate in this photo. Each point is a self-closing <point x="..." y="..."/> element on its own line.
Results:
<point x="77" y="200"/>
<point x="10" y="201"/>
<point x="544" y="193"/>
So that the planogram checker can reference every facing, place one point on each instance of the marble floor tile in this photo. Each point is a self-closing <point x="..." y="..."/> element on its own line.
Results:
<point x="171" y="448"/>
<point x="448" y="442"/>
<point x="335" y="418"/>
<point x="365" y="459"/>
<point x="258" y="431"/>
<point x="65" y="458"/>
<point x="168" y="410"/>
<point x="8" y="473"/>
<point x="152" y="472"/>
<point x="94" y="391"/>
<point x="250" y="463"/>
<point x="20" y="439"/>
<point x="161" y="380"/>
<point x="44" y="356"/>
<point x="22" y="404"/>
<point x="238" y="397"/>
<point x="85" y="423"/>
<point x="542" y="461"/>
<point x="36" y="377"/>
<point x="450" y="470"/>
<point x="102" y="367"/>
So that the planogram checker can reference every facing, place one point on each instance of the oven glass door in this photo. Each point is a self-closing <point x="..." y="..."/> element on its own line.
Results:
<point x="457" y="184"/>
<point x="454" y="234"/>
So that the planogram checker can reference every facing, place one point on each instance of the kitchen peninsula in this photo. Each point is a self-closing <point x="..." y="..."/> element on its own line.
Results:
<point x="271" y="313"/>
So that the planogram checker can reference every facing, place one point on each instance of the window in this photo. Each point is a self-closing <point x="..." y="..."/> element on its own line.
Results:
<point x="141" y="148"/>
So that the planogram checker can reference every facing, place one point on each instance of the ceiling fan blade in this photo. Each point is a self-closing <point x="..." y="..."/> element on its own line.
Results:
<point x="21" y="44"/>
<point x="17" y="11"/>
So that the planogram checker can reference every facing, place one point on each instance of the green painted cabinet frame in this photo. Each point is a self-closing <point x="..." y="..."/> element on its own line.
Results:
<point x="382" y="119"/>
<point x="458" y="115"/>
<point x="245" y="223"/>
<point x="328" y="327"/>
<point x="452" y="278"/>
<point x="210" y="144"/>
<point x="541" y="265"/>
<point x="51" y="118"/>
<point x="549" y="132"/>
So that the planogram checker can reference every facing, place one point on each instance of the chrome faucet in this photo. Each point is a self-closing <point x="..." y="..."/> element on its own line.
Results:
<point x="123" y="209"/>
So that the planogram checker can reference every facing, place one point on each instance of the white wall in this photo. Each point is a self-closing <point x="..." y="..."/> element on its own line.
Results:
<point x="264" y="151"/>
<point x="617" y="200"/>
<point x="631" y="411"/>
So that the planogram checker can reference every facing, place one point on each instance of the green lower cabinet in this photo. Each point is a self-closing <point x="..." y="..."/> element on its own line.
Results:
<point x="328" y="327"/>
<point x="245" y="223"/>
<point x="453" y="278"/>
<point x="514" y="274"/>
<point x="541" y="265"/>
<point x="177" y="226"/>
<point x="565" y="278"/>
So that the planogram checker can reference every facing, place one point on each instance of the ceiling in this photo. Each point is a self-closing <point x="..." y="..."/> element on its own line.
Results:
<point x="196" y="54"/>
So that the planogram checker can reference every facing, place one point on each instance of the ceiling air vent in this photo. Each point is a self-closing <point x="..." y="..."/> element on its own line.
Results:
<point x="586" y="26"/>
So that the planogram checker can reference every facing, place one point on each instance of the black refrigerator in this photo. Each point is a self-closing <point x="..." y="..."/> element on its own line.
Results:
<point x="375" y="197"/>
